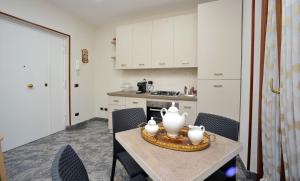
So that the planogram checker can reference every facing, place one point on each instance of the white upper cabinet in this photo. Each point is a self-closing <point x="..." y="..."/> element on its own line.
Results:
<point x="162" y="43"/>
<point x="185" y="40"/>
<point x="219" y="39"/>
<point x="124" y="47"/>
<point x="141" y="45"/>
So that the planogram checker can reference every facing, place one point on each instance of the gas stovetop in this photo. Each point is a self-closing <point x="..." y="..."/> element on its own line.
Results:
<point x="165" y="93"/>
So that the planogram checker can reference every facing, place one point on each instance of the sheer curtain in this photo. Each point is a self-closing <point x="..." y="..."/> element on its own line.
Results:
<point x="271" y="138"/>
<point x="290" y="88"/>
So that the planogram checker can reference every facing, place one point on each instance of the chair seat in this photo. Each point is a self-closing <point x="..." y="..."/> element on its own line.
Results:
<point x="140" y="177"/>
<point x="129" y="164"/>
<point x="217" y="176"/>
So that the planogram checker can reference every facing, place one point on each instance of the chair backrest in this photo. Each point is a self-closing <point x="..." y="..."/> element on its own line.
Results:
<point x="126" y="119"/>
<point x="67" y="166"/>
<point x="220" y="125"/>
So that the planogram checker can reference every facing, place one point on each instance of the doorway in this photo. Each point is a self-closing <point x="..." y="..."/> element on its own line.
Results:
<point x="33" y="82"/>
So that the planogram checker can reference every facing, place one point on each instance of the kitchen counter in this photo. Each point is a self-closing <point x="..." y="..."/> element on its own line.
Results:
<point x="149" y="96"/>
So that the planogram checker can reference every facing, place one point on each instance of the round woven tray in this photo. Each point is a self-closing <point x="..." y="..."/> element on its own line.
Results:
<point x="181" y="143"/>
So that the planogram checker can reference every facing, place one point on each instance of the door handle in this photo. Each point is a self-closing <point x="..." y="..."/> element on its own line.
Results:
<point x="30" y="86"/>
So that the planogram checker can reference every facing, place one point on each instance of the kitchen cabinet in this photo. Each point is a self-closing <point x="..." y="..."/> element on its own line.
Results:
<point x="141" y="44"/>
<point x="124" y="47"/>
<point x="185" y="40"/>
<point x="162" y="43"/>
<point x="136" y="103"/>
<point x="190" y="108"/>
<point x="120" y="102"/>
<point x="221" y="97"/>
<point x="114" y="103"/>
<point x="219" y="39"/>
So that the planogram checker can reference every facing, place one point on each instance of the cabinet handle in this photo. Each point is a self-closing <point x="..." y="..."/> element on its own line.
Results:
<point x="116" y="101"/>
<point x="218" y="74"/>
<point x="123" y="65"/>
<point x="185" y="62"/>
<point x="141" y="64"/>
<point x="155" y="110"/>
<point x="187" y="107"/>
<point x="218" y="86"/>
<point x="162" y="63"/>
<point x="134" y="102"/>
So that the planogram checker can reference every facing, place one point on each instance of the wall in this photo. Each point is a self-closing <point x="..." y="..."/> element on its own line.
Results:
<point x="245" y="82"/>
<point x="44" y="13"/>
<point x="108" y="79"/>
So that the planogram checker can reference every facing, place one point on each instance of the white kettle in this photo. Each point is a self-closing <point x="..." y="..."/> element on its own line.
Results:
<point x="172" y="120"/>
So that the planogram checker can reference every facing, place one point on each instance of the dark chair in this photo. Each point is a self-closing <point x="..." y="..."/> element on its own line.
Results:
<point x="225" y="127"/>
<point x="67" y="166"/>
<point x="123" y="120"/>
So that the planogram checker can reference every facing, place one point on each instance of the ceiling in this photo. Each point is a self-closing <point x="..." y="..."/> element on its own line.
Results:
<point x="99" y="12"/>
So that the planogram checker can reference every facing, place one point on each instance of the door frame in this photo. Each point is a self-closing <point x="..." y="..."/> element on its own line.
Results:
<point x="68" y="37"/>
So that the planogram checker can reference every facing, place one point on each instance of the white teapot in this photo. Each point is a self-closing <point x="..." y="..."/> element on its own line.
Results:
<point x="151" y="127"/>
<point x="172" y="120"/>
<point x="196" y="134"/>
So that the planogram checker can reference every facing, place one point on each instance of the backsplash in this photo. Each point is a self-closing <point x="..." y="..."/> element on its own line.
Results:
<point x="164" y="79"/>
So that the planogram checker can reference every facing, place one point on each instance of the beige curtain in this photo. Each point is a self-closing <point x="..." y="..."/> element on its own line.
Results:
<point x="290" y="88"/>
<point x="271" y="139"/>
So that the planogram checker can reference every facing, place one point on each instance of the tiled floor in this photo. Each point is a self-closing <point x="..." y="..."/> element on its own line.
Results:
<point x="91" y="141"/>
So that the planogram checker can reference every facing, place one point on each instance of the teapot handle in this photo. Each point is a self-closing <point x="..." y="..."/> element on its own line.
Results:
<point x="202" y="128"/>
<point x="161" y="112"/>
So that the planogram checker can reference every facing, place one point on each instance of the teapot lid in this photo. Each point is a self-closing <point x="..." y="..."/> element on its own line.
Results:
<point x="173" y="108"/>
<point x="151" y="122"/>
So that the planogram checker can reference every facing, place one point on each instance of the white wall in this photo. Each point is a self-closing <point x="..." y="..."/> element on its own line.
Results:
<point x="108" y="79"/>
<point x="245" y="82"/>
<point x="82" y="36"/>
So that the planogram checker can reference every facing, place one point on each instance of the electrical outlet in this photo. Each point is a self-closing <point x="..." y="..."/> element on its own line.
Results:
<point x="101" y="108"/>
<point x="105" y="109"/>
<point x="76" y="85"/>
<point x="77" y="114"/>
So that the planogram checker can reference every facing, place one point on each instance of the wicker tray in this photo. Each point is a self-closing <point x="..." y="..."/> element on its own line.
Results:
<point x="181" y="143"/>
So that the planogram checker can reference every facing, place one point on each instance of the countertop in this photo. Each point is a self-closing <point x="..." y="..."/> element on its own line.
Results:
<point x="149" y="96"/>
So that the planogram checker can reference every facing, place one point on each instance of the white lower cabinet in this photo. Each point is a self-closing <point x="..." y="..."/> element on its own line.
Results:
<point x="191" y="109"/>
<point x="114" y="103"/>
<point x="136" y="103"/>
<point x="220" y="97"/>
<point x="117" y="103"/>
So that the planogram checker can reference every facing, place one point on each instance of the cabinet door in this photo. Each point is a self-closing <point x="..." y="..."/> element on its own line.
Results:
<point x="162" y="43"/>
<point x="124" y="47"/>
<point x="185" y="40"/>
<point x="114" y="100"/>
<point x="190" y="108"/>
<point x="220" y="97"/>
<point x="219" y="39"/>
<point x="136" y="103"/>
<point x="141" y="38"/>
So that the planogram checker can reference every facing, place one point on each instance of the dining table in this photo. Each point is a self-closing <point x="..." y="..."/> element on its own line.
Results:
<point x="163" y="164"/>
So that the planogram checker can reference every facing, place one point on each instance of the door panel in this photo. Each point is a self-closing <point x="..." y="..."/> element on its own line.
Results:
<point x="162" y="43"/>
<point x="220" y="97"/>
<point x="24" y="59"/>
<point x="219" y="39"/>
<point x="185" y="40"/>
<point x="141" y="38"/>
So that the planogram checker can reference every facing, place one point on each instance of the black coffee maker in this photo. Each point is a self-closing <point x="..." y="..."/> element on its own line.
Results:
<point x="142" y="87"/>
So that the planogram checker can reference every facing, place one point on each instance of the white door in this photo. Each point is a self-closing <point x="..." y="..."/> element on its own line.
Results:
<point x="162" y="43"/>
<point x="219" y="39"/>
<point x="124" y="47"/>
<point x="141" y="48"/>
<point x="185" y="40"/>
<point x="26" y="54"/>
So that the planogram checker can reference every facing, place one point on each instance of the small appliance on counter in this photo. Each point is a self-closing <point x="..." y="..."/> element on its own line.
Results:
<point x="142" y="87"/>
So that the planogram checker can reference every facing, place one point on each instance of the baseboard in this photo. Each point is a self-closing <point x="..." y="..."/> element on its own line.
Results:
<point x="82" y="124"/>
